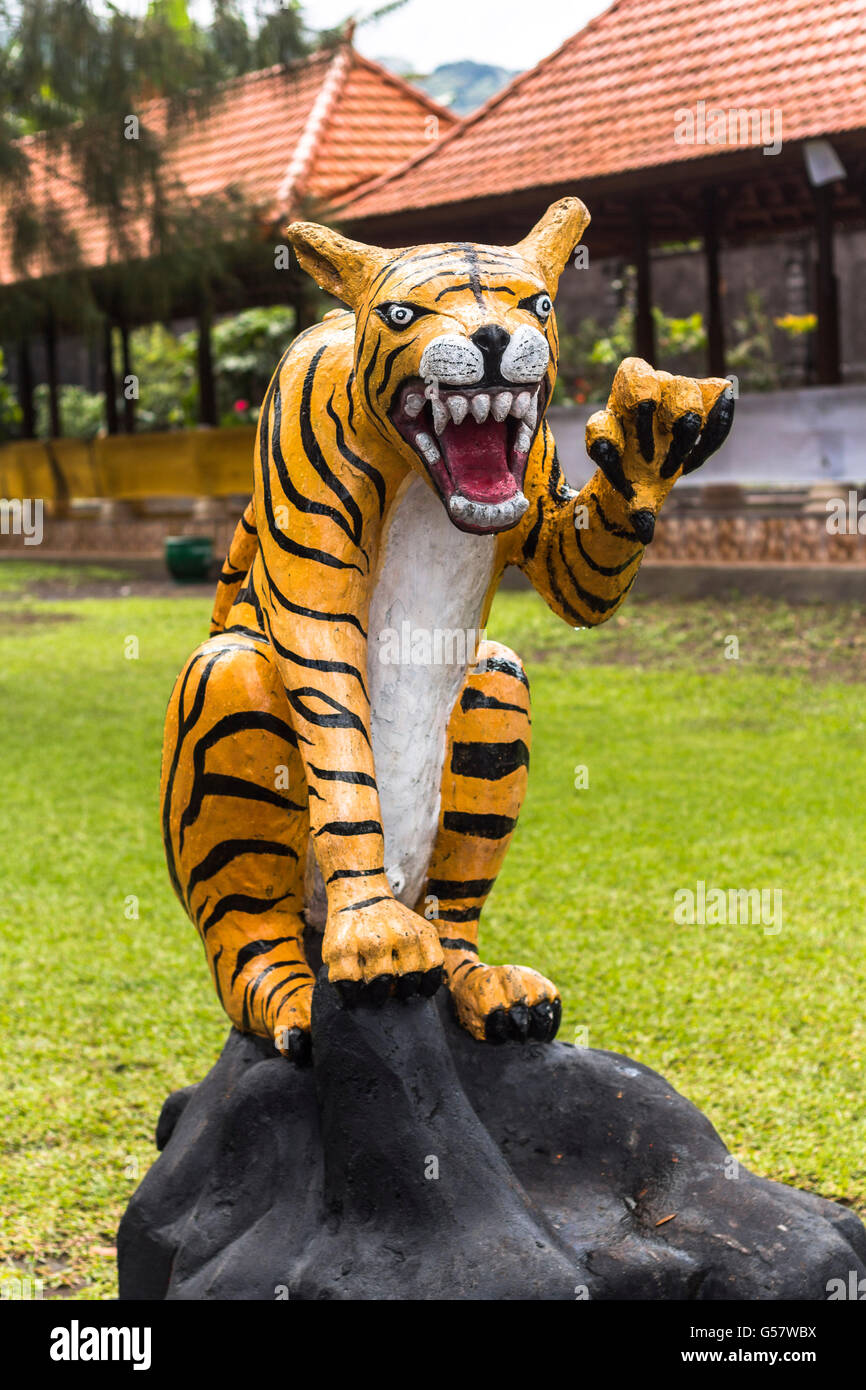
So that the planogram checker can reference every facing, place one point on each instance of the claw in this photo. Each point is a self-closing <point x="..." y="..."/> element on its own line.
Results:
<point x="716" y="430"/>
<point x="685" y="431"/>
<point x="406" y="985"/>
<point x="541" y="1021"/>
<point x="519" y="1021"/>
<point x="377" y="990"/>
<point x="298" y="1047"/>
<point x="557" y="1018"/>
<point x="431" y="981"/>
<point x="607" y="457"/>
<point x="349" y="991"/>
<point x="496" y="1026"/>
<point x="645" y="416"/>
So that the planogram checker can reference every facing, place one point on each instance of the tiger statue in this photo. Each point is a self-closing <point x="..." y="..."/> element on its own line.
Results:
<point x="403" y="459"/>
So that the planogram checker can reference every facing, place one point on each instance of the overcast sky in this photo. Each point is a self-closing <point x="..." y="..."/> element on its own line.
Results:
<point x="428" y="32"/>
<point x="425" y="33"/>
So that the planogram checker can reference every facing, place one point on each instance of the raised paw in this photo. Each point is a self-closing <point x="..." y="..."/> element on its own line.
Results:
<point x="654" y="429"/>
<point x="501" y="1002"/>
<point x="381" y="949"/>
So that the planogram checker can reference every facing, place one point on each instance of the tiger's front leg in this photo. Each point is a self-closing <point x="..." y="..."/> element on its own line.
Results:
<point x="483" y="785"/>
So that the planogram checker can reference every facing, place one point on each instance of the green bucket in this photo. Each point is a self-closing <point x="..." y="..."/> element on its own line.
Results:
<point x="189" y="558"/>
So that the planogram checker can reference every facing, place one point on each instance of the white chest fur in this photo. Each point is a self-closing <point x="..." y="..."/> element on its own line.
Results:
<point x="424" y="622"/>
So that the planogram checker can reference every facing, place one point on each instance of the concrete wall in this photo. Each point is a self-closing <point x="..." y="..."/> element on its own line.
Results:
<point x="791" y="439"/>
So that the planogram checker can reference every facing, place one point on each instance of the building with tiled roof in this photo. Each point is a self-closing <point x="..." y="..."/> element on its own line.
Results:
<point x="611" y="104"/>
<point x="672" y="121"/>
<point x="284" y="136"/>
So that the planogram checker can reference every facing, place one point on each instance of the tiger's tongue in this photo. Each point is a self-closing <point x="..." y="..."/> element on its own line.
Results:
<point x="477" y="459"/>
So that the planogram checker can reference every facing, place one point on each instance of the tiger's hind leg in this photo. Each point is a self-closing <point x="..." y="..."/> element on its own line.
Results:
<point x="235" y="827"/>
<point x="483" y="785"/>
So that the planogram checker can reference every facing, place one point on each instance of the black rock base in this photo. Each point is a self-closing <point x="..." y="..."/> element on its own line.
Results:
<point x="411" y="1162"/>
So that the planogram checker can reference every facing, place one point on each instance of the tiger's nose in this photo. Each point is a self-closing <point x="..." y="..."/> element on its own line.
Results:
<point x="492" y="340"/>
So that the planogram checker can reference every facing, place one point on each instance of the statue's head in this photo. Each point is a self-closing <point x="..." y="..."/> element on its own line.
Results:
<point x="455" y="352"/>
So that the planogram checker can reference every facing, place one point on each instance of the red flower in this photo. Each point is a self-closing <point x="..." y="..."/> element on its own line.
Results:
<point x="241" y="406"/>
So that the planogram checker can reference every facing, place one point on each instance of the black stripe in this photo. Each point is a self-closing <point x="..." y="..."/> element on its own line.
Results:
<point x="610" y="525"/>
<point x="240" y="902"/>
<point x="351" y="827"/>
<point x="388" y="365"/>
<point x="367" y="902"/>
<point x="359" y="779"/>
<point x="256" y="983"/>
<point x="459" y="914"/>
<point x="303" y="504"/>
<point x="459" y="888"/>
<point x="483" y="827"/>
<point x="578" y="618"/>
<point x="248" y="526"/>
<point x="556" y="484"/>
<point x="593" y="601"/>
<point x="490" y="761"/>
<point x="456" y="943"/>
<point x="227" y="850"/>
<point x="355" y="459"/>
<point x="476" y="699"/>
<point x="185" y="723"/>
<point x="509" y="666"/>
<point x="308" y="984"/>
<point x="316" y="457"/>
<point x="609" y="570"/>
<point x="341" y="667"/>
<point x="530" y="545"/>
<point x="356" y="873"/>
<point x="216" y="974"/>
<point x="259" y="948"/>
<point x="228" y="576"/>
<point x="286" y="980"/>
<point x="453" y="289"/>
<point x="250" y="632"/>
<point x="285" y="542"/>
<point x="301" y="612"/>
<point x="342" y="718"/>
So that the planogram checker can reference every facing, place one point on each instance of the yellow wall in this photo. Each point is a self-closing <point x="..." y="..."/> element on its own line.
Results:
<point x="177" y="463"/>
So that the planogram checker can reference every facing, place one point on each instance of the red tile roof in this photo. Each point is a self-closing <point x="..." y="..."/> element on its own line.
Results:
<point x="311" y="131"/>
<point x="605" y="102"/>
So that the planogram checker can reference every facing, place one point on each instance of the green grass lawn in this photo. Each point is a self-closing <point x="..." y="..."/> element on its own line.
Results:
<point x="742" y="773"/>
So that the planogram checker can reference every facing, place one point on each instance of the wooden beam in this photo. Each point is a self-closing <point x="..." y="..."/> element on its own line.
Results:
<point x="54" y="423"/>
<point x="828" y="352"/>
<point x="25" y="390"/>
<point x="644" y="325"/>
<point x="207" y="402"/>
<point x="715" y="314"/>
<point x="109" y="380"/>
<point x="126" y="362"/>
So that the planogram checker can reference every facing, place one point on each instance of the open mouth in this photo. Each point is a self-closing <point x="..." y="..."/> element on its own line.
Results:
<point x="475" y="443"/>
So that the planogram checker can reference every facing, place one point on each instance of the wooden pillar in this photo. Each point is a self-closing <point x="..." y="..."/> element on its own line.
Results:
<point x="715" y="315"/>
<point x="109" y="381"/>
<point x="305" y="311"/>
<point x="828" y="352"/>
<point x="644" y="326"/>
<point x="54" y="424"/>
<point x="126" y="363"/>
<point x="207" y="402"/>
<point x="25" y="390"/>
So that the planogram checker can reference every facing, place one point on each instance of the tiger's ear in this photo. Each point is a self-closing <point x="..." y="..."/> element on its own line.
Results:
<point x="551" y="242"/>
<point x="342" y="267"/>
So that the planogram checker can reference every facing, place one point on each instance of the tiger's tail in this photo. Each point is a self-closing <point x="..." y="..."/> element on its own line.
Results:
<point x="242" y="552"/>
